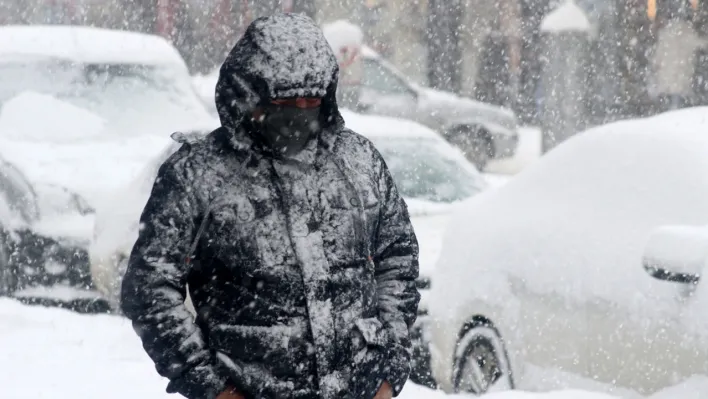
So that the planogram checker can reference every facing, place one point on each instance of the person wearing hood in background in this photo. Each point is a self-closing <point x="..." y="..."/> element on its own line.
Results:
<point x="678" y="44"/>
<point x="288" y="232"/>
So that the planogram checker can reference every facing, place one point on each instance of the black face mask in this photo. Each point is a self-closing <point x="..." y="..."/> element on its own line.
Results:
<point x="288" y="129"/>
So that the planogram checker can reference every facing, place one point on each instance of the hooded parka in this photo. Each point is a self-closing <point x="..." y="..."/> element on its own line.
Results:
<point x="301" y="270"/>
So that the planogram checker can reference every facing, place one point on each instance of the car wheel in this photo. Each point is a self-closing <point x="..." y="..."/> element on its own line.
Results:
<point x="475" y="143"/>
<point x="481" y="364"/>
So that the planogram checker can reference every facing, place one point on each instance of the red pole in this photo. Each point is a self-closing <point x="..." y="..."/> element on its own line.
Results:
<point x="164" y="19"/>
<point x="288" y="5"/>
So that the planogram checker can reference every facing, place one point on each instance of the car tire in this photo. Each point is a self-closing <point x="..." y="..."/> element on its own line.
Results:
<point x="475" y="143"/>
<point x="481" y="363"/>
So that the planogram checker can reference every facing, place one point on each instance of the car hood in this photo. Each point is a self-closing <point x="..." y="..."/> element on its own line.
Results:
<point x="92" y="169"/>
<point x="455" y="109"/>
<point x="71" y="147"/>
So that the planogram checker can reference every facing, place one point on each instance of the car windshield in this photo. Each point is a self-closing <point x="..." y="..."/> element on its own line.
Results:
<point x="428" y="169"/>
<point x="377" y="77"/>
<point x="129" y="97"/>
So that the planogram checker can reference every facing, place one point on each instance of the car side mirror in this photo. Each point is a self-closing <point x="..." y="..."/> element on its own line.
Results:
<point x="677" y="254"/>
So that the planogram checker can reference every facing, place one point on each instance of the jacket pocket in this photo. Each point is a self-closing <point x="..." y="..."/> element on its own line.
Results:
<point x="282" y="347"/>
<point x="370" y="358"/>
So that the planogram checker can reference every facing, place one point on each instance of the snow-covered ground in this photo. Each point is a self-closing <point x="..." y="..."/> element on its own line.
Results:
<point x="57" y="354"/>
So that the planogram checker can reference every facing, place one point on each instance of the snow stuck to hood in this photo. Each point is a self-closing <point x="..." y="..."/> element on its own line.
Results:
<point x="567" y="17"/>
<point x="33" y="116"/>
<point x="574" y="225"/>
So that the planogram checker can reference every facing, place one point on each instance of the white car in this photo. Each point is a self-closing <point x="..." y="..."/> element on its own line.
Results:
<point x="83" y="110"/>
<point x="546" y="272"/>
<point x="87" y="107"/>
<point x="430" y="174"/>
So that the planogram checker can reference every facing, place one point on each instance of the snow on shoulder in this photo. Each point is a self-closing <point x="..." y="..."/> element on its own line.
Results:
<point x="87" y="44"/>
<point x="60" y="121"/>
<point x="566" y="17"/>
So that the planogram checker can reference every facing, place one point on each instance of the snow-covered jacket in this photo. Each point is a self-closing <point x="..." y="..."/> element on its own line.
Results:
<point x="303" y="273"/>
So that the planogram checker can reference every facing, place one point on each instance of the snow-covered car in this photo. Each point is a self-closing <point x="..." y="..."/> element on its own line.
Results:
<point x="137" y="83"/>
<point x="430" y="173"/>
<point x="84" y="109"/>
<point x="547" y="271"/>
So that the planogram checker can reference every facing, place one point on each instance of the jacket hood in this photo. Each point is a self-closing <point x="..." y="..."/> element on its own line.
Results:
<point x="279" y="56"/>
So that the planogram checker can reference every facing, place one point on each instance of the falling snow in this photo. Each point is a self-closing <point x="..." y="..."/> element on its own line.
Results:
<point x="550" y="155"/>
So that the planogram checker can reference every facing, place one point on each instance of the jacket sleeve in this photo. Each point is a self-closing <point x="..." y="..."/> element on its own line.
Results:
<point x="153" y="290"/>
<point x="396" y="260"/>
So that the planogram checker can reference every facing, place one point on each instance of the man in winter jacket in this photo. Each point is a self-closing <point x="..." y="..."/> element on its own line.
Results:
<point x="289" y="234"/>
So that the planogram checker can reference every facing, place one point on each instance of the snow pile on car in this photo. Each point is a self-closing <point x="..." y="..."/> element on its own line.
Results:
<point x="88" y="44"/>
<point x="575" y="224"/>
<point x="33" y="116"/>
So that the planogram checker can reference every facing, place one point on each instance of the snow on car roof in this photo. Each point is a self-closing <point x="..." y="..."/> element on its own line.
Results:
<point x="382" y="126"/>
<point x="575" y="224"/>
<point x="566" y="17"/>
<point x="87" y="44"/>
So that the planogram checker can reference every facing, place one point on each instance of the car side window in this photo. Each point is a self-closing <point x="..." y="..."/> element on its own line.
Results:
<point x="377" y="77"/>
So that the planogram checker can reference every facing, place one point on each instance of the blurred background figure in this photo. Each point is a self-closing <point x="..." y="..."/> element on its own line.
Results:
<point x="347" y="40"/>
<point x="677" y="50"/>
